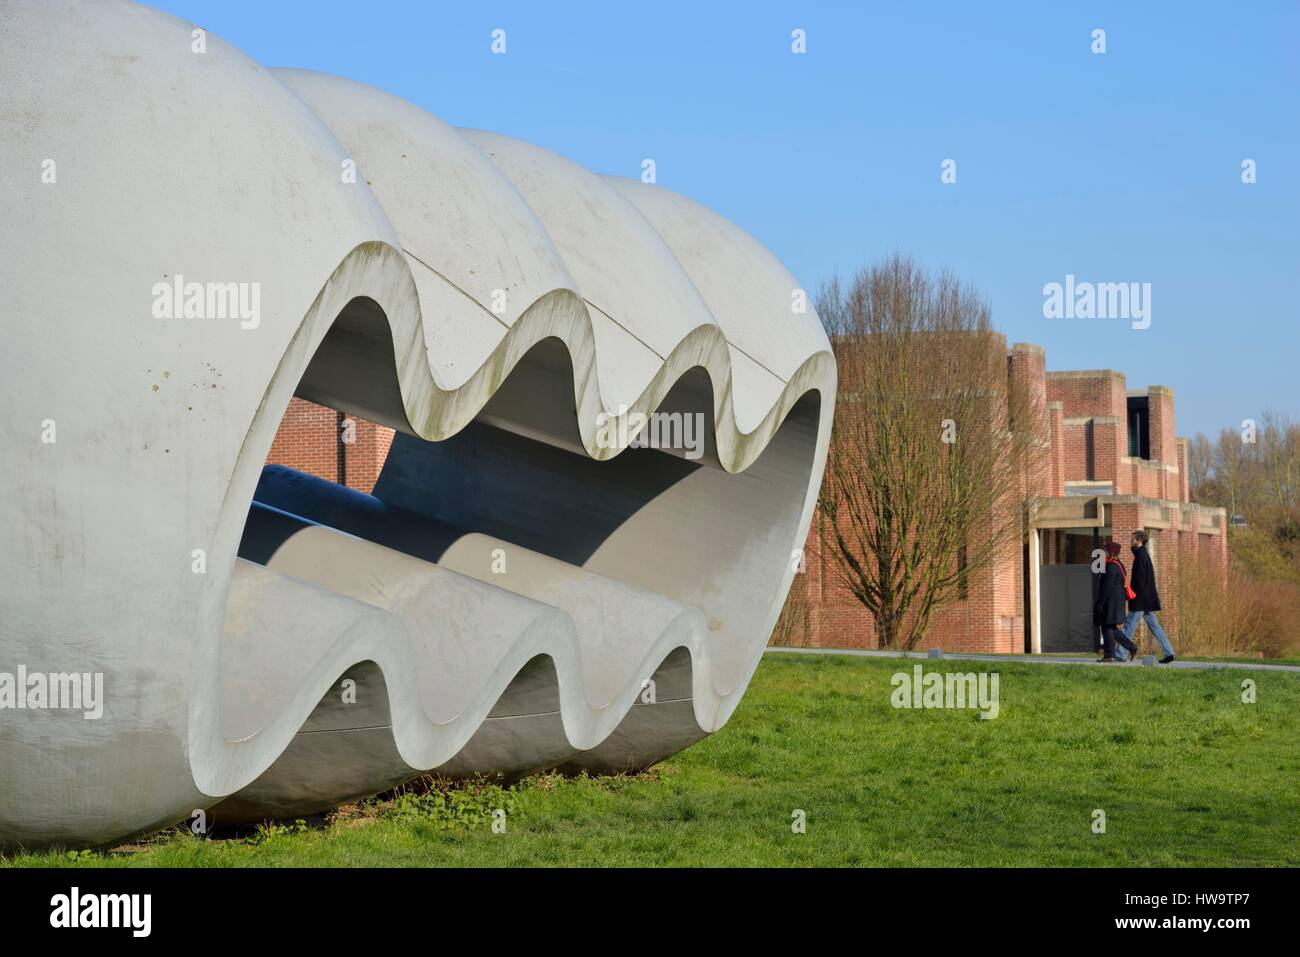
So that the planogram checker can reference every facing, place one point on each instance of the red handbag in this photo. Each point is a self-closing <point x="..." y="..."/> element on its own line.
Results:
<point x="1129" y="593"/>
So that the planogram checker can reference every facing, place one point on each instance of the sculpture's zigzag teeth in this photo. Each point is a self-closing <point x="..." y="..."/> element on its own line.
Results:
<point x="586" y="723"/>
<point x="436" y="412"/>
<point x="425" y="743"/>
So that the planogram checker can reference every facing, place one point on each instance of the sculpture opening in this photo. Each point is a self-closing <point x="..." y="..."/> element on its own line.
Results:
<point x="515" y="570"/>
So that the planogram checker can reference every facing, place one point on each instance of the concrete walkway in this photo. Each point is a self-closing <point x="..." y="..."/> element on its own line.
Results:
<point x="1146" y="660"/>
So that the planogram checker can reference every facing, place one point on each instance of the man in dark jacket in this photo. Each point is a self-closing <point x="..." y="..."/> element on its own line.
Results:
<point x="1147" y="602"/>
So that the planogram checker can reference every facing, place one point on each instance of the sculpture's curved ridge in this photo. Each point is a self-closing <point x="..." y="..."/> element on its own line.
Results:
<point x="512" y="315"/>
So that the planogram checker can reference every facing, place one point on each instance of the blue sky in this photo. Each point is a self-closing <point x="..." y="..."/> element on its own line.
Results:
<point x="1118" y="167"/>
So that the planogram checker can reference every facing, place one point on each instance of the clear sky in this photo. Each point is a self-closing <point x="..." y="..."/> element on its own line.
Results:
<point x="1117" y="167"/>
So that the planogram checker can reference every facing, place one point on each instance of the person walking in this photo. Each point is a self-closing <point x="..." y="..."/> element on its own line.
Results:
<point x="1147" y="601"/>
<point x="1110" y="605"/>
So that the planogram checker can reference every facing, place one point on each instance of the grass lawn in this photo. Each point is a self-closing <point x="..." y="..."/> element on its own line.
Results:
<point x="1186" y="773"/>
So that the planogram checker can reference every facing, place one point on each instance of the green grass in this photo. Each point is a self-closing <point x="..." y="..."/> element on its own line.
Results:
<point x="1186" y="773"/>
<point x="1244" y="661"/>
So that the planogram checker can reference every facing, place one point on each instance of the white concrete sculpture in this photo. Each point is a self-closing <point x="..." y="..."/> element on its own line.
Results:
<point x="182" y="250"/>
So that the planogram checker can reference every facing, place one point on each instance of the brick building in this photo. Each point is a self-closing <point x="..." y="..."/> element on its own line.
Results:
<point x="1107" y="462"/>
<point x="331" y="445"/>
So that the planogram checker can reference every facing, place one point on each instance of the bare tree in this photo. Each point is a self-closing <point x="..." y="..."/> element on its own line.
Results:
<point x="1255" y="472"/>
<point x="925" y="478"/>
<point x="1279" y="461"/>
<point x="1200" y="466"/>
<point x="1231" y="465"/>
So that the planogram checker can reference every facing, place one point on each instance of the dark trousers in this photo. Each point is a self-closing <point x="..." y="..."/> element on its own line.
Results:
<point x="1114" y="634"/>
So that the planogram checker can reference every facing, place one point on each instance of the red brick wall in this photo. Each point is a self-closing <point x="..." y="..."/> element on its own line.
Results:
<point x="1027" y="370"/>
<point x="308" y="440"/>
<point x="1089" y="393"/>
<point x="1096" y="433"/>
<point x="1160" y="402"/>
<point x="1144" y="478"/>
<point x="1056" y="415"/>
<point x="365" y="458"/>
<point x="1184" y="475"/>
<point x="1076" y="454"/>
<point x="1109" y="436"/>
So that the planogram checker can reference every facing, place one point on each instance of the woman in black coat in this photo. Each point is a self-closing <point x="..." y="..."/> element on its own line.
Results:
<point x="1112" y="601"/>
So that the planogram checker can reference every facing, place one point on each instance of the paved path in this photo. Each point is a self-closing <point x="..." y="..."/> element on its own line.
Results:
<point x="1146" y="660"/>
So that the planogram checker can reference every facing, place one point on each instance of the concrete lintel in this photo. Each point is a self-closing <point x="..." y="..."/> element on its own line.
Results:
<point x="1094" y="419"/>
<point x="1086" y="374"/>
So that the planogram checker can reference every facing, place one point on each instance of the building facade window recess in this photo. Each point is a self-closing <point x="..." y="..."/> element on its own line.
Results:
<point x="1139" y="427"/>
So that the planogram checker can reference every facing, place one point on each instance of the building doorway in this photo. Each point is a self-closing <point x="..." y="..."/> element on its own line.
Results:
<point x="1067" y="590"/>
